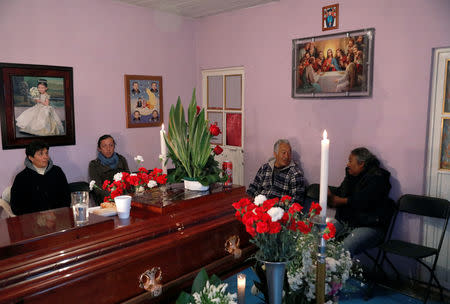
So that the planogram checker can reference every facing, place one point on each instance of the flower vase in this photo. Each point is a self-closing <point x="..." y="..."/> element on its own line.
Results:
<point x="275" y="280"/>
<point x="194" y="185"/>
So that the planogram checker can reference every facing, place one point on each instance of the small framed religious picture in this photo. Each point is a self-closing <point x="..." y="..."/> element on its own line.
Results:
<point x="143" y="101"/>
<point x="330" y="17"/>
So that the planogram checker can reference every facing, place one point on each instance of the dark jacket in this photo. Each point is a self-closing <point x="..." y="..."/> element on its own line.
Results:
<point x="33" y="192"/>
<point x="368" y="203"/>
<point x="100" y="173"/>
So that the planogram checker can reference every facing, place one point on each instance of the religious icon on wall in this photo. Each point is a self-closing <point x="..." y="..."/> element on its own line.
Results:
<point x="447" y="88"/>
<point x="330" y="17"/>
<point x="144" y="101"/>
<point x="336" y="65"/>
<point x="445" y="144"/>
<point x="37" y="102"/>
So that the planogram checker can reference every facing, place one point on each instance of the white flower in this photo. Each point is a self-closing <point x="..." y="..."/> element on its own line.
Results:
<point x="91" y="185"/>
<point x="118" y="176"/>
<point x="133" y="174"/>
<point x="139" y="159"/>
<point x="259" y="199"/>
<point x="332" y="263"/>
<point x="276" y="213"/>
<point x="152" y="184"/>
<point x="34" y="92"/>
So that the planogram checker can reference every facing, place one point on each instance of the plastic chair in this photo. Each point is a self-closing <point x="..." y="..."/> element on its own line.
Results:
<point x="422" y="206"/>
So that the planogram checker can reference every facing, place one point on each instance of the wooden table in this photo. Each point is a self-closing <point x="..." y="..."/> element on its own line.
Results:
<point x="45" y="258"/>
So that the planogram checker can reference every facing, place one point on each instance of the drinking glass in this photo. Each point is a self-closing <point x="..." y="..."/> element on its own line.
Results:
<point x="80" y="205"/>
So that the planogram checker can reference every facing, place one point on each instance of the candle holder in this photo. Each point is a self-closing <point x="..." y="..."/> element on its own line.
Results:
<point x="241" y="288"/>
<point x="321" y="223"/>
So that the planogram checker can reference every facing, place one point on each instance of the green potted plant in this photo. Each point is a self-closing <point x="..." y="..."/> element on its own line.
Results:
<point x="188" y="145"/>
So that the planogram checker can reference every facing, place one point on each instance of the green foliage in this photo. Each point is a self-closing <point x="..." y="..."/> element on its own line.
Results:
<point x="198" y="286"/>
<point x="278" y="247"/>
<point x="189" y="146"/>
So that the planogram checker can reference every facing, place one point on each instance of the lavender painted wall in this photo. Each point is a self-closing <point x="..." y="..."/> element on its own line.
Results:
<point x="102" y="40"/>
<point x="392" y="123"/>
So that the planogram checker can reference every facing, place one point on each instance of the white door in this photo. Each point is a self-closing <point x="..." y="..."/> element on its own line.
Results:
<point x="223" y="99"/>
<point x="438" y="157"/>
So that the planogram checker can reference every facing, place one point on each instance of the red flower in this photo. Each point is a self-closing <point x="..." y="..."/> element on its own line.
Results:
<point x="295" y="208"/>
<point x="133" y="180"/>
<point x="238" y="215"/>
<point x="303" y="227"/>
<point x="269" y="204"/>
<point x="248" y="218"/>
<point x="157" y="171"/>
<point x="251" y="230"/>
<point x="105" y="184"/>
<point x="285" y="218"/>
<point x="217" y="150"/>
<point x="293" y="225"/>
<point x="242" y="203"/>
<point x="198" y="110"/>
<point x="329" y="232"/>
<point x="315" y="208"/>
<point x="275" y="227"/>
<point x="162" y="179"/>
<point x="262" y="227"/>
<point x="214" y="130"/>
<point x="286" y="198"/>
<point x="143" y="170"/>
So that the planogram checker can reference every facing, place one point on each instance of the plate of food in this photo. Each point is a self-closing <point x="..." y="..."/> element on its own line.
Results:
<point x="107" y="211"/>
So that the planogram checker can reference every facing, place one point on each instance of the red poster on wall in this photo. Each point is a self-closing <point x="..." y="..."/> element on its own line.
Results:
<point x="234" y="129"/>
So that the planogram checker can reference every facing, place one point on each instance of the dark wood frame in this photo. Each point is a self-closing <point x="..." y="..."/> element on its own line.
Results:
<point x="325" y="14"/>
<point x="365" y="88"/>
<point x="7" y="71"/>
<point x="128" y="80"/>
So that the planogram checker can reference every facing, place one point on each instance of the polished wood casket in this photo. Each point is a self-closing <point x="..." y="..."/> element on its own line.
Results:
<point x="149" y="258"/>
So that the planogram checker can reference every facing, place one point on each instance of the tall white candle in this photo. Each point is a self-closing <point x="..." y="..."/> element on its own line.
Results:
<point x="325" y="146"/>
<point x="163" y="149"/>
<point x="241" y="288"/>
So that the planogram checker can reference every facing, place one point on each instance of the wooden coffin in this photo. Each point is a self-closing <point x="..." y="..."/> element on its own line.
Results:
<point x="171" y="232"/>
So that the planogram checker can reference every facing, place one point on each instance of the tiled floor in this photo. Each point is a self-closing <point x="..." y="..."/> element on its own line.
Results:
<point x="353" y="293"/>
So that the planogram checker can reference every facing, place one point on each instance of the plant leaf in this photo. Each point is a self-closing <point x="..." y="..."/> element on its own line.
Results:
<point x="199" y="281"/>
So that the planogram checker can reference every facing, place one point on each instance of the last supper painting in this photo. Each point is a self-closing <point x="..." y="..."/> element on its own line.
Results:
<point x="335" y="65"/>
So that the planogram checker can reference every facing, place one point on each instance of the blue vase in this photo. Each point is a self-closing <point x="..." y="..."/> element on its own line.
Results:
<point x="275" y="279"/>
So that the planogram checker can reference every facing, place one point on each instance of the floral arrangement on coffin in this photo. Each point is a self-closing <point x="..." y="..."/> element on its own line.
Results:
<point x="275" y="224"/>
<point x="127" y="183"/>
<point x="189" y="146"/>
<point x="207" y="291"/>
<point x="301" y="272"/>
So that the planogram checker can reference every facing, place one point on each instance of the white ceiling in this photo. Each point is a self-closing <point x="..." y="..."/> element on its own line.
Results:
<point x="196" y="8"/>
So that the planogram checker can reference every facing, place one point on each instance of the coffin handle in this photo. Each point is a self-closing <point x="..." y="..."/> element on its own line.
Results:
<point x="150" y="280"/>
<point x="232" y="246"/>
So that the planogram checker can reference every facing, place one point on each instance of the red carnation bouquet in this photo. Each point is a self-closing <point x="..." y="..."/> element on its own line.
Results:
<point x="126" y="183"/>
<point x="274" y="225"/>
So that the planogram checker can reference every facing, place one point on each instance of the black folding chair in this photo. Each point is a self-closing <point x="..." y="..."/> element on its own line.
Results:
<point x="422" y="206"/>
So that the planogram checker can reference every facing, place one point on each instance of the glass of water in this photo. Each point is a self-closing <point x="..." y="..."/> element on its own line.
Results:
<point x="80" y="205"/>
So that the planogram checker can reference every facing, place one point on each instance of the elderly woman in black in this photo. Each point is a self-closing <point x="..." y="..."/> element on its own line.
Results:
<point x="41" y="185"/>
<point x="362" y="202"/>
<point x="107" y="163"/>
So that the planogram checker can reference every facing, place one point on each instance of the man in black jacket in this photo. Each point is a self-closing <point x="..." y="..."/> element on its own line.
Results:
<point x="41" y="185"/>
<point x="362" y="202"/>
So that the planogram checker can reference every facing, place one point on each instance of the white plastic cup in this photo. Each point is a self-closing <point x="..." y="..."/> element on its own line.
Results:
<point x="123" y="206"/>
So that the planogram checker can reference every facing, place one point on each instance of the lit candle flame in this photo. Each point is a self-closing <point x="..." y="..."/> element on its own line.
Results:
<point x="325" y="134"/>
